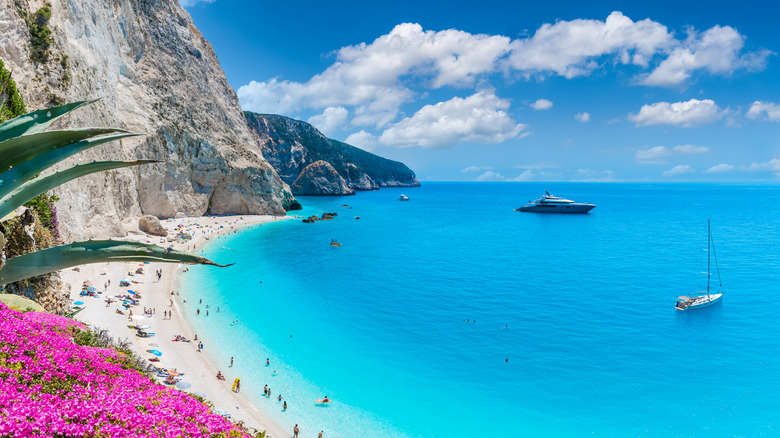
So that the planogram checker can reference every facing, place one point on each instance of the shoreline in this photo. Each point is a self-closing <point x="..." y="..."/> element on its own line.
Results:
<point x="198" y="367"/>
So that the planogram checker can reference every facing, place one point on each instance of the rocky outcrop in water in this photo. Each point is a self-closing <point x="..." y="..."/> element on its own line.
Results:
<point x="292" y="145"/>
<point x="320" y="178"/>
<point x="154" y="74"/>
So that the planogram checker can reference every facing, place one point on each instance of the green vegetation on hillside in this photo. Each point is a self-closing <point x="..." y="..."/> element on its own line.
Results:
<point x="349" y="161"/>
<point x="11" y="102"/>
<point x="40" y="34"/>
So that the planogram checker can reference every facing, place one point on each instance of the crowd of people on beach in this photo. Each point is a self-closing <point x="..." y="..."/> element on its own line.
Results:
<point x="132" y="298"/>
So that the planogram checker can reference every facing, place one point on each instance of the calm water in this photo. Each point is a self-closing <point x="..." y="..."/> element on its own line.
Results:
<point x="581" y="306"/>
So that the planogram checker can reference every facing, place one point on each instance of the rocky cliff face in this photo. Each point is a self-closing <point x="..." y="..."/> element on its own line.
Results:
<point x="320" y="178"/>
<point x="292" y="145"/>
<point x="155" y="74"/>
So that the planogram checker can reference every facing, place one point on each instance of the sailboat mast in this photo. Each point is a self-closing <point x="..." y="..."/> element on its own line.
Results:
<point x="709" y="241"/>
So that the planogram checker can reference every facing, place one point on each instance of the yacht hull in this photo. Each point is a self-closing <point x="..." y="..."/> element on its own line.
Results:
<point x="699" y="303"/>
<point x="570" y="208"/>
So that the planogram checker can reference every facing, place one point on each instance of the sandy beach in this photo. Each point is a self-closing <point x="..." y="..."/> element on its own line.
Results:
<point x="156" y="295"/>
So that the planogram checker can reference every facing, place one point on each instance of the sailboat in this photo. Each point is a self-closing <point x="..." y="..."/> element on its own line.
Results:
<point x="704" y="298"/>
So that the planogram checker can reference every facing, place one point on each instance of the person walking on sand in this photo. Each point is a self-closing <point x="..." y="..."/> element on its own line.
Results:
<point x="296" y="431"/>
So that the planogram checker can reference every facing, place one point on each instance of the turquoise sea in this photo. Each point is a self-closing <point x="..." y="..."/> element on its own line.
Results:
<point x="408" y="326"/>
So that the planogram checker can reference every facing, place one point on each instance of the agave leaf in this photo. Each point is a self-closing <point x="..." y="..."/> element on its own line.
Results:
<point x="35" y="187"/>
<point x="17" y="150"/>
<point x="93" y="251"/>
<point x="37" y="121"/>
<point x="13" y="178"/>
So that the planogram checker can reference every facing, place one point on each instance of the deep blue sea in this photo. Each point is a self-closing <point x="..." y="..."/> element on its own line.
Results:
<point x="452" y="315"/>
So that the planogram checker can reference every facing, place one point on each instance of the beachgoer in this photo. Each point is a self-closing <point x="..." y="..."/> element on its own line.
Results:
<point x="231" y="361"/>
<point x="279" y="398"/>
<point x="326" y="399"/>
<point x="296" y="431"/>
<point x="207" y="312"/>
<point x="284" y="406"/>
<point x="198" y="312"/>
<point x="267" y="361"/>
<point x="320" y="435"/>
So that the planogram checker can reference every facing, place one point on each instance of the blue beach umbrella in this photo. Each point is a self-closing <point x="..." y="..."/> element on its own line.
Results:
<point x="91" y="289"/>
<point x="156" y="352"/>
<point x="183" y="385"/>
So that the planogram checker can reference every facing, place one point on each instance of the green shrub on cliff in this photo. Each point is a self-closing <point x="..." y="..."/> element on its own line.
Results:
<point x="11" y="102"/>
<point x="40" y="34"/>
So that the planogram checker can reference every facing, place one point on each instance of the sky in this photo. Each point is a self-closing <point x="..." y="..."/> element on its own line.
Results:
<point x="514" y="91"/>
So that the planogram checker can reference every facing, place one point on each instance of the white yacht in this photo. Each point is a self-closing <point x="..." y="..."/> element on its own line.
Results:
<point x="553" y="204"/>
<point x="403" y="198"/>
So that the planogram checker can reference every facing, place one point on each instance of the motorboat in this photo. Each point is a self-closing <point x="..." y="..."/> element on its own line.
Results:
<point x="704" y="298"/>
<point x="549" y="203"/>
<point x="403" y="198"/>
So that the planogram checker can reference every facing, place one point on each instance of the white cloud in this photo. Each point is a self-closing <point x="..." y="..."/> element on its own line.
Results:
<point x="716" y="50"/>
<point x="769" y="166"/>
<point x="680" y="169"/>
<point x="527" y="175"/>
<point x="373" y="80"/>
<point x="655" y="154"/>
<point x="569" y="48"/>
<point x="582" y="117"/>
<point x="760" y="110"/>
<point x="542" y="105"/>
<point x="188" y="3"/>
<point x="331" y="120"/>
<point x="478" y="118"/>
<point x="720" y="168"/>
<point x="474" y="169"/>
<point x="594" y="175"/>
<point x="364" y="140"/>
<point x="685" y="114"/>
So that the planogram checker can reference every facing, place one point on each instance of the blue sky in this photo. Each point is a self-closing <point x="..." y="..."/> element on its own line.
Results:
<point x="506" y="91"/>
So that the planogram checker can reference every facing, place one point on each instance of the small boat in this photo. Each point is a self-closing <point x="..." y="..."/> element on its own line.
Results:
<point x="549" y="203"/>
<point x="334" y="242"/>
<point x="704" y="298"/>
<point x="403" y="197"/>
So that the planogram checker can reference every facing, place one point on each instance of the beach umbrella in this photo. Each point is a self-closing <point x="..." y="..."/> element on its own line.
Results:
<point x="91" y="289"/>
<point x="183" y="385"/>
<point x="79" y="303"/>
<point x="153" y="345"/>
<point x="156" y="352"/>
<point x="143" y="327"/>
<point x="131" y="291"/>
<point x="137" y="317"/>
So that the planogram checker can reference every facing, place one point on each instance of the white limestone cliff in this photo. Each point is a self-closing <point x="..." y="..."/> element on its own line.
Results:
<point x="154" y="74"/>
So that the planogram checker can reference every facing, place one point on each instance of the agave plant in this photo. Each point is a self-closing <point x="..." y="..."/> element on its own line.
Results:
<point x="26" y="150"/>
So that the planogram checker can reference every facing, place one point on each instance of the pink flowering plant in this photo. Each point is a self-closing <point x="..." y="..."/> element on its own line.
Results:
<point x="52" y="387"/>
